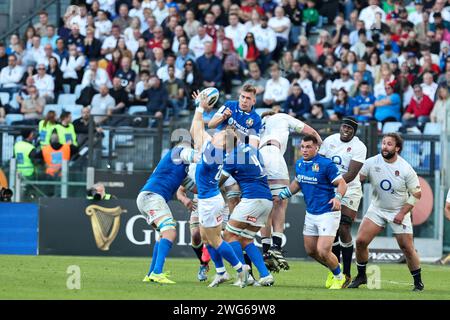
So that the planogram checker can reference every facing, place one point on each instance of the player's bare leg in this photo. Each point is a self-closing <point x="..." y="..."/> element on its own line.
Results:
<point x="368" y="230"/>
<point x="406" y="244"/>
<point x="266" y="241"/>
<point x="346" y="242"/>
<point x="197" y="246"/>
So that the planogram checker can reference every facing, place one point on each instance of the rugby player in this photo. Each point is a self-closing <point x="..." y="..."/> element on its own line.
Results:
<point x="348" y="153"/>
<point x="396" y="190"/>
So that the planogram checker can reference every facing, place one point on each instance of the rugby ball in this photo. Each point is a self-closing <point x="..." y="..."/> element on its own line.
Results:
<point x="212" y="94"/>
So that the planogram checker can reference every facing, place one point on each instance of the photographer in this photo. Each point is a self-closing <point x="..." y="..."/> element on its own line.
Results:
<point x="98" y="192"/>
<point x="5" y="194"/>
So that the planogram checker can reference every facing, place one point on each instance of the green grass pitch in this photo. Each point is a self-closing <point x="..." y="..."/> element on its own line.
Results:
<point x="45" y="277"/>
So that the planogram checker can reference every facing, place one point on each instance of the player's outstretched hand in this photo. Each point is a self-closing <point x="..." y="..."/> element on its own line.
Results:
<point x="197" y="95"/>
<point x="398" y="219"/>
<point x="336" y="204"/>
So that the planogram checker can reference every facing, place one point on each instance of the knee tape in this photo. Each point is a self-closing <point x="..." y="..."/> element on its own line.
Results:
<point x="167" y="224"/>
<point x="233" y="194"/>
<point x="233" y="230"/>
<point x="248" y="234"/>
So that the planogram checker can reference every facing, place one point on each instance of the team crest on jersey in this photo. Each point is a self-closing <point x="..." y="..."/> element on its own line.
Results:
<point x="249" y="122"/>
<point x="349" y="149"/>
<point x="397" y="173"/>
<point x="315" y="167"/>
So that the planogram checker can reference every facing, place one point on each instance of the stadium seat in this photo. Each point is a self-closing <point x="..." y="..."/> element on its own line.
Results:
<point x="391" y="127"/>
<point x="78" y="91"/>
<point x="4" y="97"/>
<point x="135" y="109"/>
<point x="10" y="118"/>
<point x="52" y="107"/>
<point x="74" y="109"/>
<point x="432" y="128"/>
<point x="67" y="99"/>
<point x="260" y="111"/>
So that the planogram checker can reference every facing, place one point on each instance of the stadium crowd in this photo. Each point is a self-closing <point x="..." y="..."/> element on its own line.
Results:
<point x="326" y="59"/>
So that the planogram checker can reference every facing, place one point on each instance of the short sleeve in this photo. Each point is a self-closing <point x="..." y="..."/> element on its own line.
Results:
<point x="448" y="196"/>
<point x="324" y="148"/>
<point x="360" y="153"/>
<point x="365" y="169"/>
<point x="333" y="172"/>
<point x="412" y="181"/>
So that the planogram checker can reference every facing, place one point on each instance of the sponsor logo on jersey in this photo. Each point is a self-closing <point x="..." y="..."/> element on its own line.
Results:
<point x="249" y="122"/>
<point x="315" y="167"/>
<point x="251" y="219"/>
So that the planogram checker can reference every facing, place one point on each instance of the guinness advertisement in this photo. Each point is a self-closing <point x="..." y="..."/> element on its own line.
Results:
<point x="116" y="228"/>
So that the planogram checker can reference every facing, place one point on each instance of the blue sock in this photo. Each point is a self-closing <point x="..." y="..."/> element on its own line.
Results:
<point x="155" y="254"/>
<point x="255" y="255"/>
<point x="163" y="250"/>
<point x="337" y="271"/>
<point x="217" y="259"/>
<point x="236" y="245"/>
<point x="226" y="251"/>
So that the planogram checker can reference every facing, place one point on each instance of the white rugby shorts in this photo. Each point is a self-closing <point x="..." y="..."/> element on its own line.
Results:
<point x="352" y="198"/>
<point x="325" y="224"/>
<point x="252" y="211"/>
<point x="274" y="163"/>
<point x="152" y="206"/>
<point x="210" y="211"/>
<point x="381" y="217"/>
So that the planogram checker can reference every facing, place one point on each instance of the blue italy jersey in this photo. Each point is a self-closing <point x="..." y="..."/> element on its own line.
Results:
<point x="168" y="175"/>
<point x="208" y="171"/>
<point x="246" y="166"/>
<point x="246" y="123"/>
<point x="316" y="178"/>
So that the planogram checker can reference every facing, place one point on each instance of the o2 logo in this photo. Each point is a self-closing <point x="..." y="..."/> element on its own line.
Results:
<point x="338" y="161"/>
<point x="386" y="185"/>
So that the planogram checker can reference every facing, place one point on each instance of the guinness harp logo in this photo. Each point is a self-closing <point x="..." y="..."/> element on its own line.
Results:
<point x="105" y="224"/>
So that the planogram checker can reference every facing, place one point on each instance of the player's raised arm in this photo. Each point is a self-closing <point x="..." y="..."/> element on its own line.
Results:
<point x="221" y="115"/>
<point x="309" y="130"/>
<point x="198" y="125"/>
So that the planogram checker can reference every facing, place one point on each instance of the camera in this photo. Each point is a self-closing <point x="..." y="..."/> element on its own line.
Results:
<point x="5" y="195"/>
<point x="94" y="194"/>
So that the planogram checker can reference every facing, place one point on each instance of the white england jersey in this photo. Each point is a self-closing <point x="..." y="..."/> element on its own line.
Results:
<point x="448" y="196"/>
<point x="391" y="182"/>
<point x="341" y="153"/>
<point x="277" y="127"/>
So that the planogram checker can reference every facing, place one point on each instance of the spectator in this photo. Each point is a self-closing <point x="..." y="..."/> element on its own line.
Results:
<point x="92" y="46"/>
<point x="258" y="82"/>
<point x="158" y="60"/>
<point x="10" y="76"/>
<point x="266" y="42"/>
<point x="210" y="67"/>
<point x="230" y="66"/>
<point x="343" y="106"/>
<point x="2" y="113"/>
<point x="306" y="84"/>
<point x="176" y="91"/>
<point x="157" y="40"/>
<point x="197" y="42"/>
<point x="340" y="31"/>
<point x="191" y="25"/>
<point x="44" y="83"/>
<point x="439" y="112"/>
<point x="102" y="105"/>
<point x="161" y="12"/>
<point x="362" y="103"/>
<point x="163" y="72"/>
<point x="41" y="26"/>
<point x="191" y="78"/>
<point x="281" y="25"/>
<point x="36" y="53"/>
<point x="157" y="98"/>
<point x="304" y="52"/>
<point x="55" y="72"/>
<point x="123" y="20"/>
<point x="418" y="111"/>
<point x="344" y="82"/>
<point x="126" y="75"/>
<point x="310" y="16"/>
<point x="65" y="129"/>
<point x="318" y="112"/>
<point x="76" y="37"/>
<point x="368" y="14"/>
<point x="61" y="50"/>
<point x="321" y="88"/>
<point x="81" y="126"/>
<point x="120" y="95"/>
<point x="387" y="107"/>
<point x="50" y="37"/>
<point x="95" y="77"/>
<point x="183" y="55"/>
<point x="294" y="13"/>
<point x="110" y="43"/>
<point x="277" y="88"/>
<point x="103" y="26"/>
<point x="144" y="75"/>
<point x="114" y="64"/>
<point x="249" y="51"/>
<point x="429" y="87"/>
<point x="297" y="104"/>
<point x="31" y="107"/>
<point x="49" y="54"/>
<point x="235" y="30"/>
<point x="72" y="68"/>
